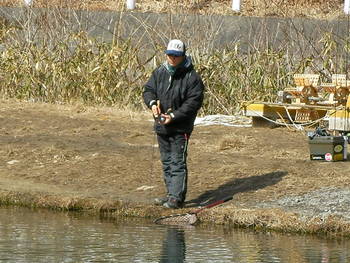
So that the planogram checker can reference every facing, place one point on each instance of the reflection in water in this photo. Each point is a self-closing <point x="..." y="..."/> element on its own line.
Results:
<point x="174" y="247"/>
<point x="181" y="245"/>
<point x="46" y="236"/>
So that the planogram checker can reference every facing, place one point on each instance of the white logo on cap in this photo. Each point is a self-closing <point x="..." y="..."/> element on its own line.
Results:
<point x="176" y="45"/>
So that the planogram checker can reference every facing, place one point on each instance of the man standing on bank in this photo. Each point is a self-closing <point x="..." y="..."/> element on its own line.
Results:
<point x="174" y="93"/>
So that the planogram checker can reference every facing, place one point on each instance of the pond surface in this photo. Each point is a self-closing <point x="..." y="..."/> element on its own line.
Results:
<point x="45" y="236"/>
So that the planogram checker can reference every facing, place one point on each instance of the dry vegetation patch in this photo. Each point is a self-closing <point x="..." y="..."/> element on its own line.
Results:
<point x="281" y="8"/>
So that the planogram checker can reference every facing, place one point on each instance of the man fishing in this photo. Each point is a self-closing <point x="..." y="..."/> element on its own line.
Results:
<point x="174" y="93"/>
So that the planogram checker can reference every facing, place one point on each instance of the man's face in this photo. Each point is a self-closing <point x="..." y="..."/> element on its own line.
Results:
<point x="174" y="60"/>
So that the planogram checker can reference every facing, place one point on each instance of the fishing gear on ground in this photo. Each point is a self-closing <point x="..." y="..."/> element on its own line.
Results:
<point x="189" y="218"/>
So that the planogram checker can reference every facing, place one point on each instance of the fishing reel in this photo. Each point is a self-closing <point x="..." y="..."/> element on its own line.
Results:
<point x="160" y="119"/>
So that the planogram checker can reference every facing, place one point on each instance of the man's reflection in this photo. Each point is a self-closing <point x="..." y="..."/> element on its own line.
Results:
<point x="174" y="247"/>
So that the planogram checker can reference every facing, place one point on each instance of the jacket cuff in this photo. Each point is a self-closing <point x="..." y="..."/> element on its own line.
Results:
<point x="152" y="102"/>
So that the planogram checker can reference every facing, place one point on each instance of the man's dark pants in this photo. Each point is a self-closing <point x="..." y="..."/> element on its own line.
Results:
<point x="173" y="154"/>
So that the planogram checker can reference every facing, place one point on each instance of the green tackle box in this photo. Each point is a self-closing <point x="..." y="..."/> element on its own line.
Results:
<point x="328" y="148"/>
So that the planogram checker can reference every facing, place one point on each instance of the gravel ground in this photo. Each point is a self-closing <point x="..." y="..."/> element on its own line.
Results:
<point x="321" y="203"/>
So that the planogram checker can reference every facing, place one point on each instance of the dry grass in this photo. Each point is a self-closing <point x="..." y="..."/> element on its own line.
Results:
<point x="58" y="203"/>
<point x="78" y="68"/>
<point x="280" y="8"/>
<point x="66" y="68"/>
<point x="276" y="220"/>
<point x="232" y="142"/>
<point x="267" y="219"/>
<point x="92" y="73"/>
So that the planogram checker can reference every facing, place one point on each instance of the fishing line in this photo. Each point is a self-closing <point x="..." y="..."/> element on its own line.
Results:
<point x="346" y="74"/>
<point x="153" y="154"/>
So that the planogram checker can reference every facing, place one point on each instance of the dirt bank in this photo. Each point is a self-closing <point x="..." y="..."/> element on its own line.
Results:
<point x="105" y="160"/>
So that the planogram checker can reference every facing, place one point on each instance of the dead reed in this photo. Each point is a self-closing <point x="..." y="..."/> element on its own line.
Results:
<point x="84" y="70"/>
<point x="277" y="8"/>
<point x="63" y="66"/>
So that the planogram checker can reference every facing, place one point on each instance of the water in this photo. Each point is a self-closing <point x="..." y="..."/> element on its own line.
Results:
<point x="46" y="236"/>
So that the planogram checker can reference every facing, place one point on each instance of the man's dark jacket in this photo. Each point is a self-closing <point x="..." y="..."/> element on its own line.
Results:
<point x="182" y="94"/>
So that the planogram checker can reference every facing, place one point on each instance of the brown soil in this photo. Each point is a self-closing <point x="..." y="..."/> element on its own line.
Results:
<point x="103" y="154"/>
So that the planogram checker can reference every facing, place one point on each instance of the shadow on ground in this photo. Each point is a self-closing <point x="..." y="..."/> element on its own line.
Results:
<point x="233" y="187"/>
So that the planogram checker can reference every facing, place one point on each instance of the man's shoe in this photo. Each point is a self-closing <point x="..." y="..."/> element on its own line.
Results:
<point x="172" y="203"/>
<point x="160" y="200"/>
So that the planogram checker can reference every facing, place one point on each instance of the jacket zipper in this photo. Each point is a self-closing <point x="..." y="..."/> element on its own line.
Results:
<point x="170" y="82"/>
